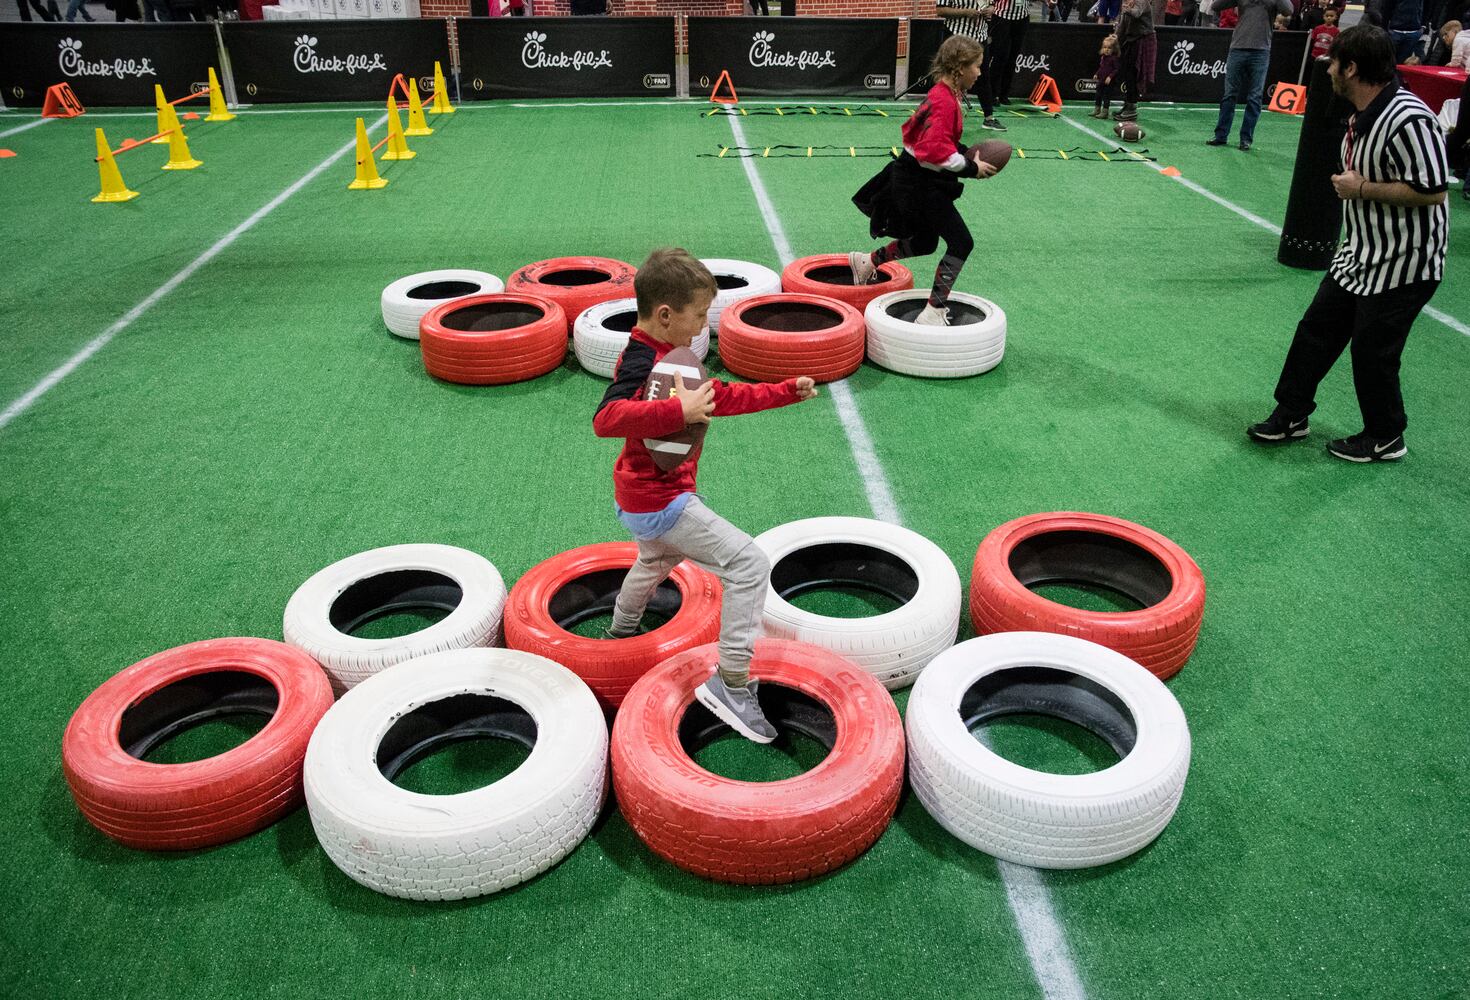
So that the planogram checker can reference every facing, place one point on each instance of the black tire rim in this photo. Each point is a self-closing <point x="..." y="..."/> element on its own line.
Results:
<point x="844" y="564"/>
<point x="187" y="703"/>
<point x="1094" y="559"/>
<point x="439" y="724"/>
<point x="1050" y="691"/>
<point x="394" y="592"/>
<point x="594" y="594"/>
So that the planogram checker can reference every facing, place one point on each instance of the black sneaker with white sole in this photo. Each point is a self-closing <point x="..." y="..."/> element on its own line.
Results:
<point x="993" y="125"/>
<point x="1277" y="428"/>
<point x="1362" y="448"/>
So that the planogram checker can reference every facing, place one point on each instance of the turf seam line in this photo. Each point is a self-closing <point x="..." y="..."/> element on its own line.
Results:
<point x="1270" y="227"/>
<point x="1026" y="893"/>
<point x="25" y="402"/>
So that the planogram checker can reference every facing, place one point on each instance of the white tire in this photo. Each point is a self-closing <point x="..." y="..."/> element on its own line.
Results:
<point x="601" y="332"/>
<point x="418" y="846"/>
<point x="820" y="551"/>
<point x="406" y="300"/>
<point x="974" y="344"/>
<point x="738" y="279"/>
<point x="1032" y="817"/>
<point x="346" y="595"/>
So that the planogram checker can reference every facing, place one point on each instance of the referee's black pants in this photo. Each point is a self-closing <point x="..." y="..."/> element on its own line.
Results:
<point x="1006" y="38"/>
<point x="1376" y="326"/>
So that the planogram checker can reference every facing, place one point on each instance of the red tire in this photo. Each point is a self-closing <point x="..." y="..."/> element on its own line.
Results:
<point x="771" y="338"/>
<point x="584" y="582"/>
<point x="575" y="283"/>
<point x="1098" y="550"/>
<point x="493" y="339"/>
<point x="830" y="274"/>
<point x="205" y="802"/>
<point x="768" y="832"/>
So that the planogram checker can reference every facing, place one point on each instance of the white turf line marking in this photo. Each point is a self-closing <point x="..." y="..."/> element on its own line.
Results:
<point x="22" y="128"/>
<point x="25" y="402"/>
<point x="1026" y="893"/>
<point x="1272" y="228"/>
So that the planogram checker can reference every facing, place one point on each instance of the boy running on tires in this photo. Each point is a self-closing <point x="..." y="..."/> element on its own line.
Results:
<point x="668" y="519"/>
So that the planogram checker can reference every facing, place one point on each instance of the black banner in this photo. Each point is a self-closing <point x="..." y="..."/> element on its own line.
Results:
<point x="104" y="64"/>
<point x="566" y="57"/>
<point x="925" y="36"/>
<point x="1190" y="66"/>
<point x="794" y="56"/>
<point x="333" y="60"/>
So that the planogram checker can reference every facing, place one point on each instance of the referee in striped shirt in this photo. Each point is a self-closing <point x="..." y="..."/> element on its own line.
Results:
<point x="1393" y="181"/>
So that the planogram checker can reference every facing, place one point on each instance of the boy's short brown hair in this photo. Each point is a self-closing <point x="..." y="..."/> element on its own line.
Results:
<point x="671" y="276"/>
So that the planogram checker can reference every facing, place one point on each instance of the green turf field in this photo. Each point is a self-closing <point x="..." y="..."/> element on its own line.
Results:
<point x="255" y="423"/>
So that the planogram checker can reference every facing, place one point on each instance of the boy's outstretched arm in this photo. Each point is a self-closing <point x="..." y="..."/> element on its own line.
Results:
<point x="735" y="398"/>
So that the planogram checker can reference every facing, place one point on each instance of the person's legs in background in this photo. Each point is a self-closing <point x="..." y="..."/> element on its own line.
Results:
<point x="1255" y="82"/>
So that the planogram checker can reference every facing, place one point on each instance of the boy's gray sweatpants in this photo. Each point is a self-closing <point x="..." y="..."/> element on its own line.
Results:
<point x="709" y="541"/>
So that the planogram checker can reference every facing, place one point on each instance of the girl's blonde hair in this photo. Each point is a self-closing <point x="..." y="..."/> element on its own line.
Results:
<point x="1106" y="40"/>
<point x="954" y="55"/>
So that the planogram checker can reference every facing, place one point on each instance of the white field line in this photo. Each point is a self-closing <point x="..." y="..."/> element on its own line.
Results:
<point x="1270" y="227"/>
<point x="25" y="402"/>
<point x="1026" y="893"/>
<point x="22" y="128"/>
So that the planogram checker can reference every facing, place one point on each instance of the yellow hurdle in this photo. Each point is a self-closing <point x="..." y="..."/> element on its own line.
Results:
<point x="416" y="123"/>
<point x="178" y="150"/>
<point x="218" y="111"/>
<point x="113" y="188"/>
<point x="166" y="115"/>
<point x="367" y="170"/>
<point x="440" y="105"/>
<point x="397" y="144"/>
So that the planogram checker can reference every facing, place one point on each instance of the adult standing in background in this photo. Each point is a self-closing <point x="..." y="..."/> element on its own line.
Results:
<point x="1404" y="20"/>
<point x="972" y="19"/>
<point x="1007" y="35"/>
<point x="1393" y="187"/>
<point x="1245" y="68"/>
<point x="1136" y="45"/>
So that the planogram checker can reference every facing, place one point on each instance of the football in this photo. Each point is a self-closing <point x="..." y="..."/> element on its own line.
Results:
<point x="991" y="151"/>
<point x="1128" y="131"/>
<point x="672" y="451"/>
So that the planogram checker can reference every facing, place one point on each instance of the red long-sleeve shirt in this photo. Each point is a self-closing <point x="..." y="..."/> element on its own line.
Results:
<point x="932" y="132"/>
<point x="640" y="486"/>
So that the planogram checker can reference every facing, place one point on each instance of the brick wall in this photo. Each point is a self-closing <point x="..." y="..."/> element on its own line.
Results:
<point x="715" y="8"/>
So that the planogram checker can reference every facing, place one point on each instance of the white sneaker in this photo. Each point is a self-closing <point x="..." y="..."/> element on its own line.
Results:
<point x="862" y="266"/>
<point x="933" y="316"/>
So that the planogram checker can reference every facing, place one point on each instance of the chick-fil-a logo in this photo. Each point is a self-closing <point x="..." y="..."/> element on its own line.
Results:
<point x="72" y="63"/>
<point x="762" y="53"/>
<point x="535" y="56"/>
<point x="1181" y="65"/>
<point x="307" y="61"/>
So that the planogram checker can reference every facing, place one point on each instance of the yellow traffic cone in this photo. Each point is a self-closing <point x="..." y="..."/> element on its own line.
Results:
<point x="416" y="123"/>
<point x="218" y="112"/>
<point x="441" y="105"/>
<point x="178" y="150"/>
<point x="113" y="188"/>
<point x="165" y="111"/>
<point x="367" y="170"/>
<point x="397" y="144"/>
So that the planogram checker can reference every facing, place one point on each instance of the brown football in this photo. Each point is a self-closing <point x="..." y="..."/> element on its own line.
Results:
<point x="676" y="449"/>
<point x="993" y="152"/>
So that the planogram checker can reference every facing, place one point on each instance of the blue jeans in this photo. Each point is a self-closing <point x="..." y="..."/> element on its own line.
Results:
<point x="1245" y="79"/>
<point x="1405" y="44"/>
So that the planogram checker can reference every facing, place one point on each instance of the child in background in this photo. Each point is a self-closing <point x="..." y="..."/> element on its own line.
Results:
<point x="1282" y="22"/>
<point x="1107" y="75"/>
<point x="1323" y="34"/>
<point x="660" y="509"/>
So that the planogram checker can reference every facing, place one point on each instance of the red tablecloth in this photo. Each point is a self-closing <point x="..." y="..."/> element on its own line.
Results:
<point x="1433" y="84"/>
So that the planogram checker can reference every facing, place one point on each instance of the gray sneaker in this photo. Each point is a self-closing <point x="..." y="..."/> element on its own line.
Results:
<point x="862" y="266"/>
<point x="736" y="708"/>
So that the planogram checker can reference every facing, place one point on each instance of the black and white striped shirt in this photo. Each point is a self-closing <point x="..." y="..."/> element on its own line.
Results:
<point x="970" y="27"/>
<point x="1395" y="138"/>
<point x="1013" y="10"/>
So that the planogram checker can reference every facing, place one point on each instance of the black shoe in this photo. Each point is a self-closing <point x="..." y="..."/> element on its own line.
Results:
<point x="993" y="125"/>
<point x="1362" y="448"/>
<point x="1277" y="428"/>
<point x="1244" y="146"/>
<point x="1214" y="142"/>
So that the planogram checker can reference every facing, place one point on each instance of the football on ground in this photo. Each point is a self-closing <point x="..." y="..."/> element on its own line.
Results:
<point x="672" y="451"/>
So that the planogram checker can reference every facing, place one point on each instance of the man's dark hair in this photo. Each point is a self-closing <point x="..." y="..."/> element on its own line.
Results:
<point x="1367" y="48"/>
